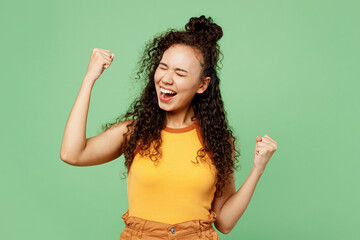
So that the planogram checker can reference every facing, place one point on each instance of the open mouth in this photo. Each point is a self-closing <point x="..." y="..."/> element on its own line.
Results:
<point x="166" y="95"/>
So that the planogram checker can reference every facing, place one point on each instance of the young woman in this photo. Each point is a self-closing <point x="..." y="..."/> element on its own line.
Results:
<point x="179" y="151"/>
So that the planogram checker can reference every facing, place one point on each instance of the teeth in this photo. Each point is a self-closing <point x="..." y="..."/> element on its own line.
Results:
<point x="167" y="91"/>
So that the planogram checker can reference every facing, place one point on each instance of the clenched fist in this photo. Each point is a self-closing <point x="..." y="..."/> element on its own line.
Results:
<point x="99" y="61"/>
<point x="264" y="149"/>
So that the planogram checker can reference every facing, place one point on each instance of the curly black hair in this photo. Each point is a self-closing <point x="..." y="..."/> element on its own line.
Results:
<point x="148" y="119"/>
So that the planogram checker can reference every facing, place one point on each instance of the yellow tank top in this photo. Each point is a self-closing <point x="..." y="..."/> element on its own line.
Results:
<point x="176" y="189"/>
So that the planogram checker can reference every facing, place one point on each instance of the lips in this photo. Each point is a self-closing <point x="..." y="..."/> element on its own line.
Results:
<point x="166" y="97"/>
<point x="167" y="89"/>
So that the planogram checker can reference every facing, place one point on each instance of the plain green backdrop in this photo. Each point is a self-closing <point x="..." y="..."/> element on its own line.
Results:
<point x="290" y="70"/>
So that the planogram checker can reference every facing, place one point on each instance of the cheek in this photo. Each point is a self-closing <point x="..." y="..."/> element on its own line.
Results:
<point x="157" y="75"/>
<point x="186" y="86"/>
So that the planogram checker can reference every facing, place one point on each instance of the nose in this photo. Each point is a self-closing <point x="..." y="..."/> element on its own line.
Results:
<point x="167" y="78"/>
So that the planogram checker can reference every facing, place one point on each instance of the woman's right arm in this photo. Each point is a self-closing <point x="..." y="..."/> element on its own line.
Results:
<point x="76" y="149"/>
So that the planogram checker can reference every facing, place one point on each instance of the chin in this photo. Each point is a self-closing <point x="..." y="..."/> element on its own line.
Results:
<point x="165" y="108"/>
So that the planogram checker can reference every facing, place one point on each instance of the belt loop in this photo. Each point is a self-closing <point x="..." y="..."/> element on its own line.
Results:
<point x="199" y="233"/>
<point x="142" y="229"/>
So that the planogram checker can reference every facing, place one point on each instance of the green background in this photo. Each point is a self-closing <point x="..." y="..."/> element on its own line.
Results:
<point x="290" y="70"/>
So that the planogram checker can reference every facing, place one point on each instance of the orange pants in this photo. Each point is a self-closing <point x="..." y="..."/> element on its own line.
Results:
<point x="138" y="228"/>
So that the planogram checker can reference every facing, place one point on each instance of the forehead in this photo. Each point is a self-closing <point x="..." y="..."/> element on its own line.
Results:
<point x="179" y="55"/>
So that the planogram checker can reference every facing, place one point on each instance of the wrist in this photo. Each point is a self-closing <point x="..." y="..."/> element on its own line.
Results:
<point x="89" y="80"/>
<point x="259" y="171"/>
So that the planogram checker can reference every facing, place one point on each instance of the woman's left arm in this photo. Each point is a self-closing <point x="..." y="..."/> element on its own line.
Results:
<point x="235" y="206"/>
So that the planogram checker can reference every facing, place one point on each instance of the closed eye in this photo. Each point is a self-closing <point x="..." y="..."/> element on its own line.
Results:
<point x="177" y="73"/>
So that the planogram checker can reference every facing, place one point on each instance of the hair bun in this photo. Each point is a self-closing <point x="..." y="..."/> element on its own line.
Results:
<point x="204" y="26"/>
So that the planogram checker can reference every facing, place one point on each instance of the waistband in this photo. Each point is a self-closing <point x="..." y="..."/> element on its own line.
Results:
<point x="153" y="228"/>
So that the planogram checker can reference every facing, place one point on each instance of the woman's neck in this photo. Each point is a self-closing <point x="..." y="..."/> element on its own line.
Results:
<point x="180" y="119"/>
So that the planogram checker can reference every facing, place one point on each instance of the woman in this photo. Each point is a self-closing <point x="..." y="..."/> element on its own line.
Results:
<point x="179" y="151"/>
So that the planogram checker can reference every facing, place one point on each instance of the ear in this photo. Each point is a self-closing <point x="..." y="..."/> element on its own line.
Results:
<point x="204" y="85"/>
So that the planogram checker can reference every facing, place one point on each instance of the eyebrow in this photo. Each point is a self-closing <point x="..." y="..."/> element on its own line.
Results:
<point x="175" y="69"/>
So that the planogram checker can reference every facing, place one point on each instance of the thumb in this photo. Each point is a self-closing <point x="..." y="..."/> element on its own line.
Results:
<point x="258" y="139"/>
